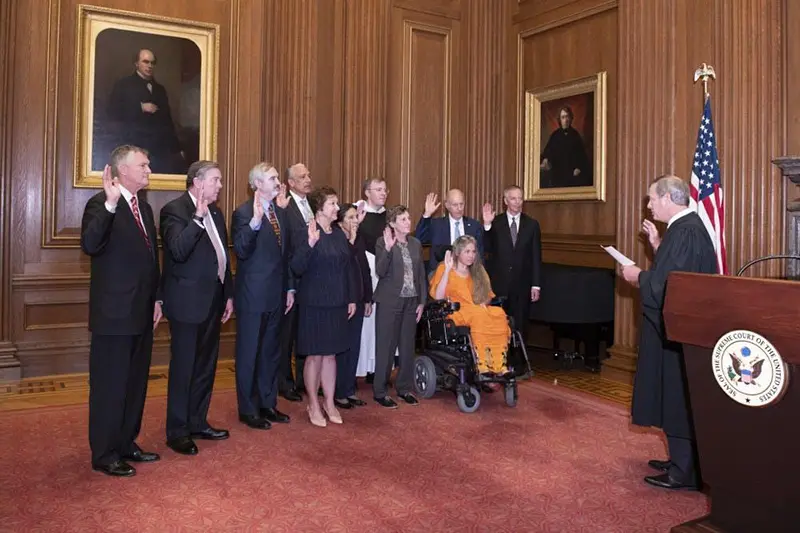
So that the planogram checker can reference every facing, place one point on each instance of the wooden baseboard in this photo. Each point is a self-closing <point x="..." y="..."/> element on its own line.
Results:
<point x="621" y="366"/>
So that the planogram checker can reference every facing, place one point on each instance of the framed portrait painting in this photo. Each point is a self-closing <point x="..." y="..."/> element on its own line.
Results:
<point x="565" y="141"/>
<point x="148" y="81"/>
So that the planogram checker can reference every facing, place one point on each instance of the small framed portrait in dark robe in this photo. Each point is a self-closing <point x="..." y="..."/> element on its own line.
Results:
<point x="147" y="81"/>
<point x="565" y="141"/>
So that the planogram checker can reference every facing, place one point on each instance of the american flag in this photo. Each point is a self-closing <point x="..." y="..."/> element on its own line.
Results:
<point x="706" y="186"/>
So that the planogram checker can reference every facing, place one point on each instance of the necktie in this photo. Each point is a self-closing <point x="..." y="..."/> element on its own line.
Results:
<point x="306" y="209"/>
<point x="514" y="231"/>
<point x="458" y="229"/>
<point x="274" y="221"/>
<point x="211" y="229"/>
<point x="138" y="219"/>
<point x="150" y="87"/>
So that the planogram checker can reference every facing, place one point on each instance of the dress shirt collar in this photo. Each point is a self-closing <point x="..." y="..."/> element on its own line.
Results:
<point x="511" y="217"/>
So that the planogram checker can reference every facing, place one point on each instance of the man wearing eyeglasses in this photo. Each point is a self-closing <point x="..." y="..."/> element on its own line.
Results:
<point x="139" y="110"/>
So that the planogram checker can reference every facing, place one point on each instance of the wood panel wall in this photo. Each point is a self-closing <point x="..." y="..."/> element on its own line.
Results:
<point x="428" y="95"/>
<point x="408" y="90"/>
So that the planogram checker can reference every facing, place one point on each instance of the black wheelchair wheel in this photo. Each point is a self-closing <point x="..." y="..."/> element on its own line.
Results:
<point x="511" y="395"/>
<point x="424" y="376"/>
<point x="469" y="400"/>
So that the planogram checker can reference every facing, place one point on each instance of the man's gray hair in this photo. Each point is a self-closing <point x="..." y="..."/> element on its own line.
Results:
<point x="677" y="189"/>
<point x="198" y="170"/>
<point x="258" y="173"/>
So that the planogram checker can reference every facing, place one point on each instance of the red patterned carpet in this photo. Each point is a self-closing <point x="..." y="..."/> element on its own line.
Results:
<point x="559" y="462"/>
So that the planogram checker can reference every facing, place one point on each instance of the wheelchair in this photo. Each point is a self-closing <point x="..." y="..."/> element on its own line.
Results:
<point x="448" y="360"/>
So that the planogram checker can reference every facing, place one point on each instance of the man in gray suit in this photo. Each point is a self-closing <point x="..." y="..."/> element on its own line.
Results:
<point x="400" y="296"/>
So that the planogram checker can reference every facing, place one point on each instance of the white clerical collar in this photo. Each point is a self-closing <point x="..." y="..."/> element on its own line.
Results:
<point x="678" y="215"/>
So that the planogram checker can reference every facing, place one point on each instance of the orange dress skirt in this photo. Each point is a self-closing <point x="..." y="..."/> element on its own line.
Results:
<point x="488" y="325"/>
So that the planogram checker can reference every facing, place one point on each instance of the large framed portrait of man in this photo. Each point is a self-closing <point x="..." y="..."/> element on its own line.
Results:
<point x="148" y="81"/>
<point x="565" y="141"/>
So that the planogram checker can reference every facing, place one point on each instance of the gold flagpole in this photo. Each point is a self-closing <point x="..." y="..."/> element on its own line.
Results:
<point x="704" y="73"/>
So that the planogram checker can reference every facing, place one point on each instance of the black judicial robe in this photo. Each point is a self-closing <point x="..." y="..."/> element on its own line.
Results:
<point x="659" y="389"/>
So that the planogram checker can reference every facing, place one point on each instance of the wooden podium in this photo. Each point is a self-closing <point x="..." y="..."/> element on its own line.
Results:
<point x="749" y="456"/>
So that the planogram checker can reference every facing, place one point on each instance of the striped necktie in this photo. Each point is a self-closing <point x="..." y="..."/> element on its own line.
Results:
<point x="137" y="217"/>
<point x="274" y="221"/>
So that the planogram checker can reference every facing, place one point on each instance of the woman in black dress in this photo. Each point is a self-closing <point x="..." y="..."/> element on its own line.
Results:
<point x="350" y="216"/>
<point x="325" y="300"/>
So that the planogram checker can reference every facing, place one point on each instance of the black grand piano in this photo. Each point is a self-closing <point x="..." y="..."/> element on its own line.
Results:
<point x="577" y="303"/>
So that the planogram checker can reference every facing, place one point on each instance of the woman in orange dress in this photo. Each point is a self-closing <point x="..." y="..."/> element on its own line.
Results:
<point x="461" y="278"/>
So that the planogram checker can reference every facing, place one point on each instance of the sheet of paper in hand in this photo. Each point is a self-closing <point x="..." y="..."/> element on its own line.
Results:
<point x="618" y="257"/>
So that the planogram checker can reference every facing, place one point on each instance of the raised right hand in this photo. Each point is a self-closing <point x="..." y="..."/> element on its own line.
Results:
<point x="313" y="233"/>
<point x="488" y="214"/>
<point x="448" y="260"/>
<point x="651" y="231"/>
<point x="202" y="202"/>
<point x="431" y="205"/>
<point x="258" y="207"/>
<point x="111" y="187"/>
<point x="388" y="238"/>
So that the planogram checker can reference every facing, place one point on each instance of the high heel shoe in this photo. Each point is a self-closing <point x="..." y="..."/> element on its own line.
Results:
<point x="333" y="416"/>
<point x="318" y="420"/>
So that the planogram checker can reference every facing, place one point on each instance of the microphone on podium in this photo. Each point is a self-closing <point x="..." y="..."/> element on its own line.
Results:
<point x="765" y="258"/>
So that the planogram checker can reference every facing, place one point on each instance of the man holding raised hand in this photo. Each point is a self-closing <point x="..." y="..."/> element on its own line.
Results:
<point x="198" y="298"/>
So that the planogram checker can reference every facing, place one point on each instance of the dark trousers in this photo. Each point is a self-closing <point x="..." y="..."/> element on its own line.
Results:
<point x="682" y="452"/>
<point x="395" y="326"/>
<point x="118" y="372"/>
<point x="517" y="306"/>
<point x="192" y="368"/>
<point x="288" y="336"/>
<point x="257" y="360"/>
<point x="347" y="361"/>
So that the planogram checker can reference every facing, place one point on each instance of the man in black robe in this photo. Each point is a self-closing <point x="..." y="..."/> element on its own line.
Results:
<point x="660" y="393"/>
<point x="564" y="160"/>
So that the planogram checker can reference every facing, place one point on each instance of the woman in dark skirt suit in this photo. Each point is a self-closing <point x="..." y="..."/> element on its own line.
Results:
<point x="325" y="300"/>
<point x="350" y="216"/>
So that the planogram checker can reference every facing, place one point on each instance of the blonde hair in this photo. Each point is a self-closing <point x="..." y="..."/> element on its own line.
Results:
<point x="481" y="285"/>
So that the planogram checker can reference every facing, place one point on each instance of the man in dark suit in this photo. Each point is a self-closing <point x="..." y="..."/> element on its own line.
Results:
<point x="441" y="233"/>
<point x="198" y="298"/>
<point x="298" y="214"/>
<point x="660" y="397"/>
<point x="514" y="259"/>
<point x="118" y="232"/>
<point x="261" y="240"/>
<point x="139" y="110"/>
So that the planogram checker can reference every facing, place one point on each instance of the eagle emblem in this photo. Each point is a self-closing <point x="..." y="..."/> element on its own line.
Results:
<point x="744" y="369"/>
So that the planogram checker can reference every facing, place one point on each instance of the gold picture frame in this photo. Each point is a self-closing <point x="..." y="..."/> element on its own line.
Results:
<point x="571" y="163"/>
<point x="115" y="104"/>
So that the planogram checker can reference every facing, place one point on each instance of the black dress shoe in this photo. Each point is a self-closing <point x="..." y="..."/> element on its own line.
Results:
<point x="357" y="402"/>
<point x="141" y="457"/>
<point x="211" y="434"/>
<point x="292" y="395"/>
<point x="342" y="404"/>
<point x="274" y="416"/>
<point x="386" y="402"/>
<point x="664" y="481"/>
<point x="117" y="468"/>
<point x="409" y="398"/>
<point x="255" y="422"/>
<point x="661" y="466"/>
<point x="183" y="446"/>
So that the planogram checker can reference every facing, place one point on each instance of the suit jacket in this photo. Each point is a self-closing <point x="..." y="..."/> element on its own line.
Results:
<point x="360" y="275"/>
<point x="436" y="233"/>
<point x="124" y="271"/>
<point x="390" y="270"/>
<point x="295" y="218"/>
<point x="512" y="268"/>
<point x="324" y="270"/>
<point x="190" y="262"/>
<point x="262" y="266"/>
